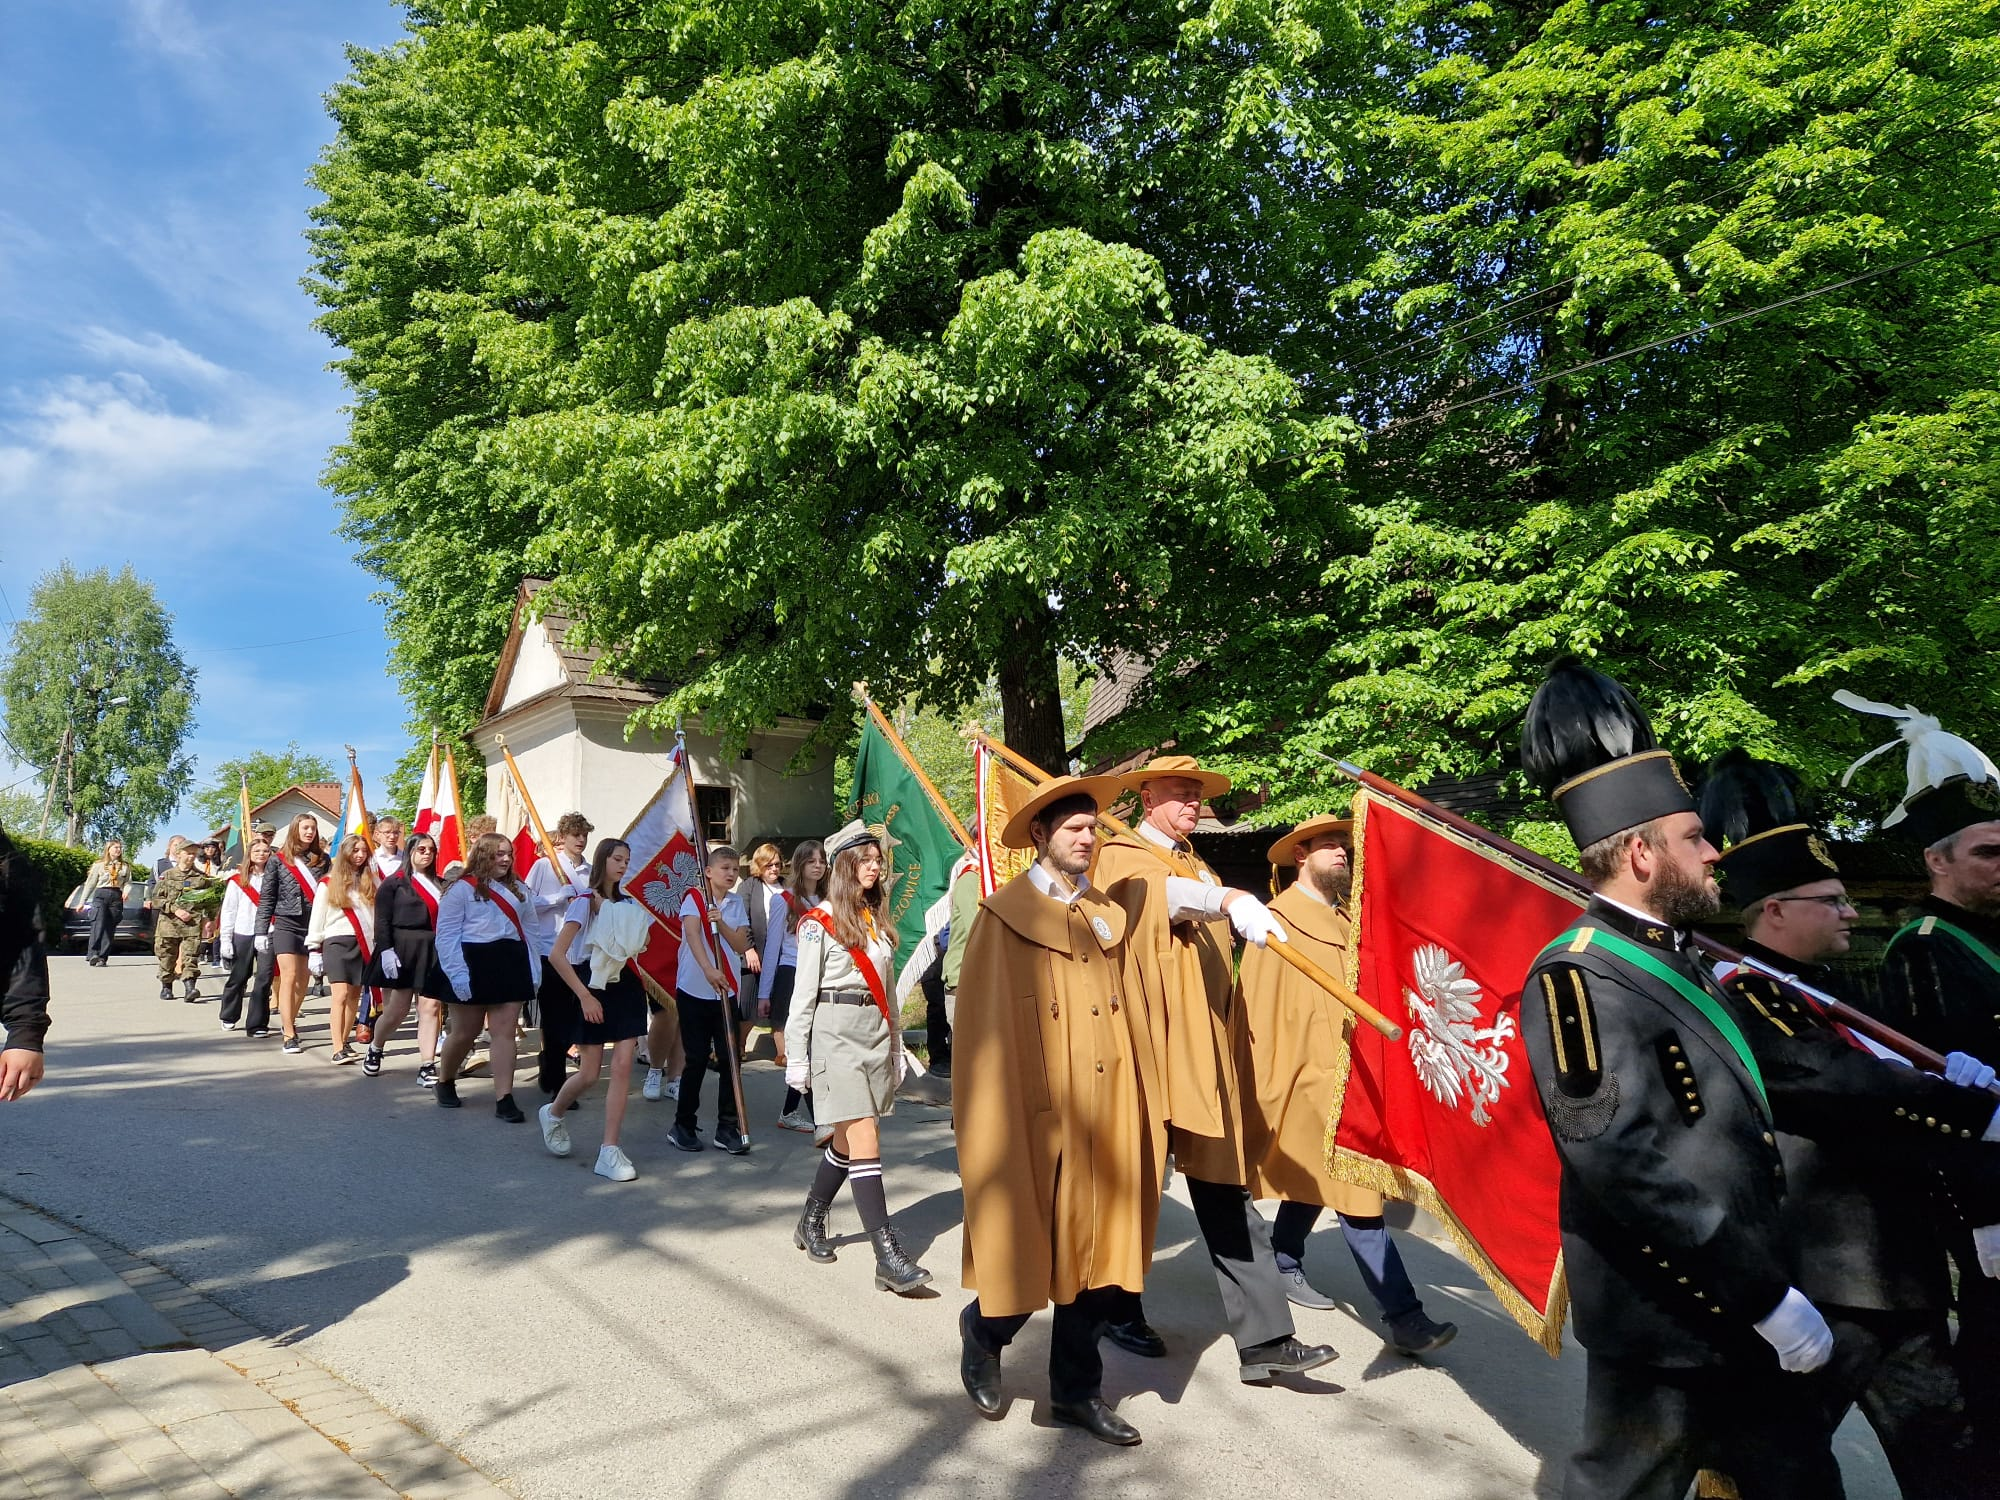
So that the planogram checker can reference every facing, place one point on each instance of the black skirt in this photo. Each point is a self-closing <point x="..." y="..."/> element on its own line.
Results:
<point x="342" y="953"/>
<point x="624" y="1002"/>
<point x="416" y="958"/>
<point x="499" y="974"/>
<point x="288" y="935"/>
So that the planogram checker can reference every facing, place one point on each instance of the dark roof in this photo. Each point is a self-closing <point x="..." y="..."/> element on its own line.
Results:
<point x="582" y="679"/>
<point x="1111" y="692"/>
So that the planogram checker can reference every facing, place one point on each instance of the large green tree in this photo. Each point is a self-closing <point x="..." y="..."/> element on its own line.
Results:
<point x="100" y="701"/>
<point x="267" y="773"/>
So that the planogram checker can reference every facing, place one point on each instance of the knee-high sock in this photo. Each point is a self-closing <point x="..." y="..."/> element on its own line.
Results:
<point x="832" y="1173"/>
<point x="864" y="1177"/>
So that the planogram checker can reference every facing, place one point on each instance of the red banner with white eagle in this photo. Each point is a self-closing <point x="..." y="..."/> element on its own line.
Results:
<point x="1448" y="1118"/>
<point x="665" y="865"/>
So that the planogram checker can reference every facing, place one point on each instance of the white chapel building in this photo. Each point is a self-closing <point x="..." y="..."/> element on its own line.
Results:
<point x="565" y="722"/>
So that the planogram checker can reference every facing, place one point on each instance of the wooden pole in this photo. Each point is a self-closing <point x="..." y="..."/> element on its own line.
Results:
<point x="896" y="741"/>
<point x="1839" y="1010"/>
<point x="1284" y="951"/>
<point x="541" y="833"/>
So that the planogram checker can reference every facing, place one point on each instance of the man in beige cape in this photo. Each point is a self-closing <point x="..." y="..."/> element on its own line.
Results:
<point x="1297" y="1036"/>
<point x="1180" y="917"/>
<point x="1059" y="1152"/>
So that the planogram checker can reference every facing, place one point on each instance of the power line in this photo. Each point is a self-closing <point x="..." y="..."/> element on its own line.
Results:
<point x="1674" y="338"/>
<point x="266" y="645"/>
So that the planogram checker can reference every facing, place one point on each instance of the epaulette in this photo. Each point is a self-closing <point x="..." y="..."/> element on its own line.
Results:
<point x="1773" y="1002"/>
<point x="1585" y="1099"/>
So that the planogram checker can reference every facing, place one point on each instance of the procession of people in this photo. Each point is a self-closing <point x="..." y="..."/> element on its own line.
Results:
<point x="1766" y="1221"/>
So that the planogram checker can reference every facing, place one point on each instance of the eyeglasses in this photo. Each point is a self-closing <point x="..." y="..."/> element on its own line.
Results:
<point x="1837" y="903"/>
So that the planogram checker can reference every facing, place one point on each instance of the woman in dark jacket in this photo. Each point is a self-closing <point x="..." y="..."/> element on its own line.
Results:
<point x="405" y="941"/>
<point x="284" y="910"/>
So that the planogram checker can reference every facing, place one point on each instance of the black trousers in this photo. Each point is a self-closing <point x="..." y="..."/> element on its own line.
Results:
<point x="1976" y="1350"/>
<point x="107" y="910"/>
<point x="248" y="970"/>
<point x="1076" y="1365"/>
<point x="1647" y="1432"/>
<point x="1246" y="1272"/>
<point x="704" y="1028"/>
<point x="937" y="1024"/>
<point x="1897" y="1366"/>
<point x="561" y="1017"/>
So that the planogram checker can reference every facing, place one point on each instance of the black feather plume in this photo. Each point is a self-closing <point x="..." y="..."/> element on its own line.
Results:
<point x="1743" y="795"/>
<point x="1578" y="720"/>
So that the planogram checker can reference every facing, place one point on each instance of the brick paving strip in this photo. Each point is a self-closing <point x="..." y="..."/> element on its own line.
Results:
<point x="117" y="1381"/>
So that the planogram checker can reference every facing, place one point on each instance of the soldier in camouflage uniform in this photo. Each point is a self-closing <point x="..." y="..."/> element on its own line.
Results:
<point x="176" y="928"/>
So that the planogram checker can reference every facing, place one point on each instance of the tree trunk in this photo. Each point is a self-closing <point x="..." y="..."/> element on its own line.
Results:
<point x="1031" y="714"/>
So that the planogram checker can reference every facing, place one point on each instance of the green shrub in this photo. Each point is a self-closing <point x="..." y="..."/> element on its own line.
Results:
<point x="60" y="870"/>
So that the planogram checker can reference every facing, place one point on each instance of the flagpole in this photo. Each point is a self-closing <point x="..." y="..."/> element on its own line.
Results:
<point x="1284" y="951"/>
<point x="541" y="833"/>
<point x="896" y="744"/>
<point x="354" y="782"/>
<point x="1836" y="1008"/>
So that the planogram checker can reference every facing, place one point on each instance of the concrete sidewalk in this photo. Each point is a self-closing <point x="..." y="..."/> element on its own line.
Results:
<point x="116" y="1380"/>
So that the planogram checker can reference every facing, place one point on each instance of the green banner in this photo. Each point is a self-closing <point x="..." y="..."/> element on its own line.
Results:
<point x="886" y="791"/>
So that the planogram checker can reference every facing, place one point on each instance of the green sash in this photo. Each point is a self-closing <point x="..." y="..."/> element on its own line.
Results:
<point x="1694" y="994"/>
<point x="1972" y="944"/>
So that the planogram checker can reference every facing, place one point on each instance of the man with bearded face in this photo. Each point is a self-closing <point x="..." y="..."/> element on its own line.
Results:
<point x="1297" y="1036"/>
<point x="1672" y="1182"/>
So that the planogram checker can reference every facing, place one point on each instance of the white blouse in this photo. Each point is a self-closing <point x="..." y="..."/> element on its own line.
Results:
<point x="463" y="921"/>
<point x="239" y="912"/>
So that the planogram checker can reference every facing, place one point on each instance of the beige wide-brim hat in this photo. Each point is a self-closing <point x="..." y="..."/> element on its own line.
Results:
<point x="1102" y="789"/>
<point x="1181" y="767"/>
<point x="1280" y="853"/>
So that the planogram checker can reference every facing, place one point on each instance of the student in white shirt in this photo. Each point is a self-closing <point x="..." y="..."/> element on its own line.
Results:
<point x="388" y="855"/>
<point x="602" y="930"/>
<point x="491" y="967"/>
<point x="239" y="950"/>
<point x="340" y="931"/>
<point x="715" y="933"/>
<point x="551" y="890"/>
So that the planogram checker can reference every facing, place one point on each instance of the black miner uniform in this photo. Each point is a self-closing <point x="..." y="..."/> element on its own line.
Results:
<point x="1864" y="1142"/>
<point x="1672" y="1185"/>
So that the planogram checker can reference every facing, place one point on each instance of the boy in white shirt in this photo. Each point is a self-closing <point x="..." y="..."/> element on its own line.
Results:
<point x="715" y="933"/>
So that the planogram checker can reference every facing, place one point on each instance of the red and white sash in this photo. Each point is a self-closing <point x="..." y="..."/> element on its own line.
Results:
<point x="427" y="892"/>
<point x="249" y="891"/>
<point x="308" y="882"/>
<point x="361" y="937"/>
<point x="708" y="937"/>
<point x="507" y="907"/>
<point x="859" y="958"/>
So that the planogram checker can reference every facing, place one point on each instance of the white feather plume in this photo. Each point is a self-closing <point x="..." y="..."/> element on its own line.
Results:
<point x="1935" y="754"/>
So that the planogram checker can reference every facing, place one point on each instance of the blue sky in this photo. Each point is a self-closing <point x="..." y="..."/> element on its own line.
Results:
<point x="164" y="400"/>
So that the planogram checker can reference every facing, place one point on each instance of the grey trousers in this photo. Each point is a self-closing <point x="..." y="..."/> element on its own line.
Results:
<point x="1246" y="1271"/>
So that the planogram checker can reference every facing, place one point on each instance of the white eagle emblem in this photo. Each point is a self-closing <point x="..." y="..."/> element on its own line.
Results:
<point x="672" y="876"/>
<point x="1452" y="1053"/>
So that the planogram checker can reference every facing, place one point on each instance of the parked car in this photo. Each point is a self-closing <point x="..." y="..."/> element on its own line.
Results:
<point x="135" y="927"/>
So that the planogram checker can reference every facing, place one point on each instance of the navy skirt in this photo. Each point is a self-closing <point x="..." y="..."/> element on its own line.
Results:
<point x="499" y="973"/>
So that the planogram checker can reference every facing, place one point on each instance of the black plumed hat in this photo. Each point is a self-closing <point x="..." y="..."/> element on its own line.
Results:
<point x="1591" y="748"/>
<point x="1749" y="810"/>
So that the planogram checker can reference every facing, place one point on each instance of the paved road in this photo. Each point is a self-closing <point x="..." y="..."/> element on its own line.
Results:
<point x="577" y="1338"/>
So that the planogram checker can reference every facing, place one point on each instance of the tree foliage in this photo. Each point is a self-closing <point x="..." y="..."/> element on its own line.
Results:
<point x="87" y="639"/>
<point x="930" y="344"/>
<point x="268" y="773"/>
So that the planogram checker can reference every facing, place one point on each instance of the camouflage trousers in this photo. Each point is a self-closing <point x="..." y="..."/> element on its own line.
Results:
<point x="178" y="949"/>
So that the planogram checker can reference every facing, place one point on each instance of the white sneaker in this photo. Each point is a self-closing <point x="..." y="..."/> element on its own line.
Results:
<point x="615" y="1164"/>
<point x="654" y="1078"/>
<point x="673" y="1090"/>
<point x="555" y="1131"/>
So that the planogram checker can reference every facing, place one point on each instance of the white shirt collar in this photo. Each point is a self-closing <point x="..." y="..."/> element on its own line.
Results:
<point x="1680" y="937"/>
<point x="1164" y="840"/>
<point x="1044" y="882"/>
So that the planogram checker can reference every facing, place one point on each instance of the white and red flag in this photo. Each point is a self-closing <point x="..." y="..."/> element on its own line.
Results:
<point x="1449" y="1117"/>
<point x="448" y="828"/>
<point x="426" y="819"/>
<point x="665" y="865"/>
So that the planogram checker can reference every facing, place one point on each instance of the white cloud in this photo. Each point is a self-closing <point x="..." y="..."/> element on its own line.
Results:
<point x="154" y="351"/>
<point x="166" y="27"/>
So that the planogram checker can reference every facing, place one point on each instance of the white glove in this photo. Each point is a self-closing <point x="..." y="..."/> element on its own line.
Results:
<point x="1796" y="1330"/>
<point x="901" y="1062"/>
<point x="391" y="965"/>
<point x="228" y="947"/>
<point x="1986" y="1245"/>
<point x="262" y="944"/>
<point x="1253" y="921"/>
<point x="315" y="964"/>
<point x="1967" y="1071"/>
<point x="798" y="1076"/>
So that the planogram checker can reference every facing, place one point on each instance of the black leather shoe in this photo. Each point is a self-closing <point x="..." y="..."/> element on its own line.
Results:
<point x="1285" y="1356"/>
<point x="1097" y="1419"/>
<point x="504" y="1108"/>
<point x="1417" y="1334"/>
<point x="979" y="1370"/>
<point x="1137" y="1338"/>
<point x="894" y="1270"/>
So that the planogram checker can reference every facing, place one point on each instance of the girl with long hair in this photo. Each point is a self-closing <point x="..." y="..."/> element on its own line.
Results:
<point x="341" y="930"/>
<point x="104" y="898"/>
<point x="490" y="966"/>
<point x="405" y="962"/>
<point x="846" y="1048"/>
<point x="248" y="969"/>
<point x="601" y="931"/>
<point x="284" y="911"/>
<point x="806" y="890"/>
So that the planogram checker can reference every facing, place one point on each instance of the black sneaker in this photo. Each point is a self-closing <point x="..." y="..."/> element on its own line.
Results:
<point x="371" y="1062"/>
<point x="294" y="1045"/>
<point x="683" y="1139"/>
<point x="447" y="1094"/>
<point x="259" y="1034"/>
<point x="504" y="1108"/>
<point x="730" y="1139"/>
<point x="427" y="1076"/>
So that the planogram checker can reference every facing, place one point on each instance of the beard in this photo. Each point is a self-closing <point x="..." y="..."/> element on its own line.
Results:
<point x="1334" y="886"/>
<point x="1682" y="900"/>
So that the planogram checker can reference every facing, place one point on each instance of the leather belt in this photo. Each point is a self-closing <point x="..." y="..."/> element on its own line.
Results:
<point x="846" y="997"/>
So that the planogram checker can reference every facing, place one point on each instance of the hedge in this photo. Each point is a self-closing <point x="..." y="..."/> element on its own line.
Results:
<point x="60" y="869"/>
